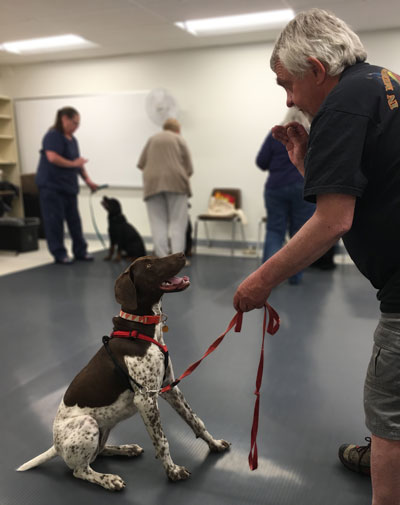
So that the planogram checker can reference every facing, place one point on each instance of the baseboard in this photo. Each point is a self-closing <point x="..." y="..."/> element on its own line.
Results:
<point x="223" y="244"/>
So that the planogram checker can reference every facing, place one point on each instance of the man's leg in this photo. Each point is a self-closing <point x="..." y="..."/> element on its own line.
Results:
<point x="382" y="410"/>
<point x="385" y="471"/>
<point x="178" y="220"/>
<point x="158" y="216"/>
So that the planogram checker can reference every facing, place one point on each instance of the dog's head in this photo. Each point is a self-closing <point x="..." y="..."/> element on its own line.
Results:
<point x="112" y="206"/>
<point x="144" y="282"/>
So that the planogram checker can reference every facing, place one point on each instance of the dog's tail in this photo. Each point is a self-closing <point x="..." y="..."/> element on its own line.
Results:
<point x="42" y="458"/>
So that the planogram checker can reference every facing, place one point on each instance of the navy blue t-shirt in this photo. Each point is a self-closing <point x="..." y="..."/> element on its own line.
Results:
<point x="273" y="156"/>
<point x="354" y="149"/>
<point x="53" y="176"/>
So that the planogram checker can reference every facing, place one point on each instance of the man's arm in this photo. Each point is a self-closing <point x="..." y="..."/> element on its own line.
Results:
<point x="143" y="157"/>
<point x="186" y="158"/>
<point x="333" y="217"/>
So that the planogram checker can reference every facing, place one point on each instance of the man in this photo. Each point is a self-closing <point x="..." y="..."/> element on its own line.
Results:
<point x="167" y="166"/>
<point x="351" y="163"/>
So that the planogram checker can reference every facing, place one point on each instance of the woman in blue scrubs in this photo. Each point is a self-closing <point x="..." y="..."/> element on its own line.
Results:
<point x="57" y="179"/>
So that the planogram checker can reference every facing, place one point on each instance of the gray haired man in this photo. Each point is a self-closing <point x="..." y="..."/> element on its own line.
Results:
<point x="351" y="166"/>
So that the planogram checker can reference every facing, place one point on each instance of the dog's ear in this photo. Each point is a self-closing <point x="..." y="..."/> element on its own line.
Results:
<point x="125" y="291"/>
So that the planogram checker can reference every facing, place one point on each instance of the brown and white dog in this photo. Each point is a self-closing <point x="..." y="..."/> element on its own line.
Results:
<point x="97" y="399"/>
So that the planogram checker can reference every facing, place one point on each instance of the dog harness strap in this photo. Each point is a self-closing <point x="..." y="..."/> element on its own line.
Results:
<point x="140" y="319"/>
<point x="140" y="336"/>
<point x="124" y="376"/>
<point x="273" y="326"/>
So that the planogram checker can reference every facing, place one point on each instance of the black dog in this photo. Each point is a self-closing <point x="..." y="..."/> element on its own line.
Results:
<point x="121" y="233"/>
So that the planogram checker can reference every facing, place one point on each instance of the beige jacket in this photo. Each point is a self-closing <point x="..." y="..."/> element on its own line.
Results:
<point x="166" y="164"/>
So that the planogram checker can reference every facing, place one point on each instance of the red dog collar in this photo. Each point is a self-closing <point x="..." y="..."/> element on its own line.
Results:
<point x="140" y="319"/>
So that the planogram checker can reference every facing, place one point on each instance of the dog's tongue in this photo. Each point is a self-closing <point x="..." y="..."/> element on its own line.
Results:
<point x="175" y="282"/>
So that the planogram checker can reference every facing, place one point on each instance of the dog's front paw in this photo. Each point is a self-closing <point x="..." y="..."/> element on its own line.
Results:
<point x="112" y="482"/>
<point x="128" y="450"/>
<point x="176" y="472"/>
<point x="219" y="445"/>
<point x="131" y="450"/>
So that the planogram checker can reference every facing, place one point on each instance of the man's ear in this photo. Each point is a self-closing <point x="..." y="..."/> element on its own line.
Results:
<point x="318" y="70"/>
<point x="125" y="291"/>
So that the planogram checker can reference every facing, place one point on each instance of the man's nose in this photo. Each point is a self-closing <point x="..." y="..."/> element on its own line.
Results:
<point x="289" y="100"/>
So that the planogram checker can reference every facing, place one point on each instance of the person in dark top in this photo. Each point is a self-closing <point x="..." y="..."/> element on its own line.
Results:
<point x="351" y="161"/>
<point x="283" y="194"/>
<point x="60" y="164"/>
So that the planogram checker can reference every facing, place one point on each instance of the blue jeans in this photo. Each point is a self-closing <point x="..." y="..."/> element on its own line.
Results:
<point x="286" y="212"/>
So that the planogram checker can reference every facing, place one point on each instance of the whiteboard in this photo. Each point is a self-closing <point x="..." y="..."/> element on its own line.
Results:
<point x="113" y="131"/>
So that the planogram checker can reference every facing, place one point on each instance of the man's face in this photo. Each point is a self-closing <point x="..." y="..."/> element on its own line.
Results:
<point x="303" y="92"/>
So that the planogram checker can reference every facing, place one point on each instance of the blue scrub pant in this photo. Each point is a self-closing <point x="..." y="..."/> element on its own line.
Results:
<point x="57" y="207"/>
<point x="286" y="212"/>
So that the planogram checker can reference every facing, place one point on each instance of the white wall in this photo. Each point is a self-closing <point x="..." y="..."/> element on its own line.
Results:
<point x="228" y="99"/>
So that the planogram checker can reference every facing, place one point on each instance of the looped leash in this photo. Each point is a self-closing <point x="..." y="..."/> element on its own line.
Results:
<point x="273" y="327"/>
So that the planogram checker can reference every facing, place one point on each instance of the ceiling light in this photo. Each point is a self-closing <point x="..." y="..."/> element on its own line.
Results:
<point x="241" y="23"/>
<point x="45" y="44"/>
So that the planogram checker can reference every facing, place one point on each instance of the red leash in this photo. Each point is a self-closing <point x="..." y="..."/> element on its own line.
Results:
<point x="272" y="328"/>
<point x="236" y="322"/>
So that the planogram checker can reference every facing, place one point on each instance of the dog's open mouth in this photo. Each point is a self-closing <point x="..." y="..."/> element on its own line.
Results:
<point x="175" y="284"/>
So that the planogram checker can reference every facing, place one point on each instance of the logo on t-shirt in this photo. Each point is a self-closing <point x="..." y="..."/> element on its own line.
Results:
<point x="387" y="78"/>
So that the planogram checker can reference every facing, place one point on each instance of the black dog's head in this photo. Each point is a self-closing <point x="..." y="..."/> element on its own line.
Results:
<point x="147" y="279"/>
<point x="112" y="206"/>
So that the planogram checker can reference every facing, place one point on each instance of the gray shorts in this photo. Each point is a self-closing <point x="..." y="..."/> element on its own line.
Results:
<point x="382" y="384"/>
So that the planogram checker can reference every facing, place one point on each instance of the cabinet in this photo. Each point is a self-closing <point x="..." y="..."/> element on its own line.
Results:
<point x="9" y="164"/>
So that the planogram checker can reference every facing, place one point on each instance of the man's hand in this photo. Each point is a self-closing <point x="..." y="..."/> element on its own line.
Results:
<point x="295" y="138"/>
<point x="251" y="293"/>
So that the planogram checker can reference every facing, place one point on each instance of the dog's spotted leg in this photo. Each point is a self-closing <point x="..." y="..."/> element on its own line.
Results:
<point x="77" y="441"/>
<point x="148" y="409"/>
<point x="129" y="450"/>
<point x="176" y="399"/>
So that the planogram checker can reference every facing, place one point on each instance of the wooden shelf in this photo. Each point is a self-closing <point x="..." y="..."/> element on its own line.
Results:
<point x="9" y="154"/>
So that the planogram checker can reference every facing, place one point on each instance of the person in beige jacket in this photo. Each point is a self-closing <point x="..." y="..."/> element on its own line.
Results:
<point x="167" y="166"/>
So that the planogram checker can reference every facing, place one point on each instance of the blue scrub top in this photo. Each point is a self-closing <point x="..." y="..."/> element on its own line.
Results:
<point x="54" y="177"/>
<point x="273" y="156"/>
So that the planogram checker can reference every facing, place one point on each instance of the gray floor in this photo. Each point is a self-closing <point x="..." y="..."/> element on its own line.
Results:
<point x="52" y="321"/>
